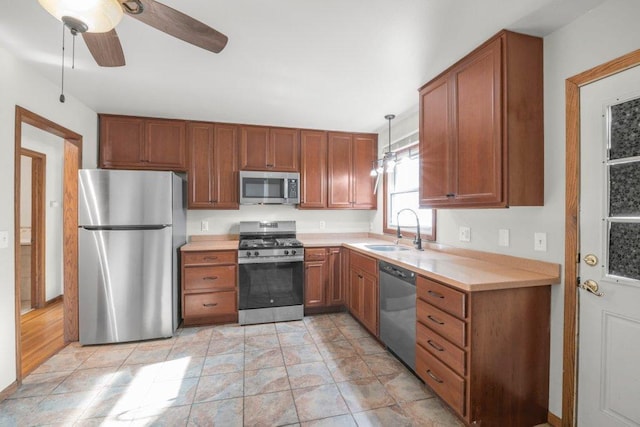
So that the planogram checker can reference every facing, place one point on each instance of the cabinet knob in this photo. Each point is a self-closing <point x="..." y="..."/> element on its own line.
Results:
<point x="450" y="195"/>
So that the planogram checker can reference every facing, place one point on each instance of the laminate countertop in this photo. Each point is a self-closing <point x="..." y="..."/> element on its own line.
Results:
<point x="461" y="268"/>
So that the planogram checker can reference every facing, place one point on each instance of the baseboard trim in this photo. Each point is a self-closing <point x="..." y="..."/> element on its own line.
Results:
<point x="554" y="420"/>
<point x="8" y="391"/>
<point x="54" y="300"/>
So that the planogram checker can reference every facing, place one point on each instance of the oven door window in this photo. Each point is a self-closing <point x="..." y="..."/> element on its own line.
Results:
<point x="276" y="284"/>
<point x="263" y="188"/>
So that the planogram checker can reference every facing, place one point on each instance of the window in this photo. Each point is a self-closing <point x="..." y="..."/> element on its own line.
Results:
<point x="400" y="192"/>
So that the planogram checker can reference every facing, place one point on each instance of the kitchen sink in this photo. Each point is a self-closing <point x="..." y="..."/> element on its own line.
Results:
<point x="386" y="248"/>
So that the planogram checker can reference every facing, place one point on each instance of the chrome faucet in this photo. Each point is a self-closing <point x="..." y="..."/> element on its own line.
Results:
<point x="417" y="242"/>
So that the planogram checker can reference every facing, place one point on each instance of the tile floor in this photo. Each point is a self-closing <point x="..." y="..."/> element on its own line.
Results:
<point x="323" y="371"/>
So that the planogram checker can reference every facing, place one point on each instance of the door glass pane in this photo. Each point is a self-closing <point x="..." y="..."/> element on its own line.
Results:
<point x="624" y="189"/>
<point x="624" y="249"/>
<point x="625" y="130"/>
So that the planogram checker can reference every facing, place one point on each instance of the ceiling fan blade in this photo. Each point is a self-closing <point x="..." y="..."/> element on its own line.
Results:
<point x="177" y="24"/>
<point x="105" y="48"/>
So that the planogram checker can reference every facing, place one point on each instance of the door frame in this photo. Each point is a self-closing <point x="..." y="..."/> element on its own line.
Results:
<point x="72" y="162"/>
<point x="572" y="237"/>
<point x="38" y="226"/>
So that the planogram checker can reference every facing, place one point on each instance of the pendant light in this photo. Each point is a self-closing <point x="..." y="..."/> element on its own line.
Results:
<point x="388" y="161"/>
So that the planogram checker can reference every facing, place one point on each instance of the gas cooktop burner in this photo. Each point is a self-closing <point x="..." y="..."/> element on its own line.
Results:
<point x="270" y="243"/>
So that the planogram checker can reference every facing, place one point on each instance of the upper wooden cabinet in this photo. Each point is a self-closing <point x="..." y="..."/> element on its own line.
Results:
<point x="350" y="158"/>
<point x="142" y="143"/>
<point x="481" y="128"/>
<point x="313" y="169"/>
<point x="269" y="149"/>
<point x="213" y="166"/>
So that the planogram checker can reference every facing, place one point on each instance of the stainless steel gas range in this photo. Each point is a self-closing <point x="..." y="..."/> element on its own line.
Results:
<point x="271" y="272"/>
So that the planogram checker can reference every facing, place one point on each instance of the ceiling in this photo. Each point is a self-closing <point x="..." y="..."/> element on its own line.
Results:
<point x="327" y="64"/>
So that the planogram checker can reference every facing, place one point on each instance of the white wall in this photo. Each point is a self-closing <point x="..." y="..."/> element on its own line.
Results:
<point x="53" y="148"/>
<point x="603" y="34"/>
<point x="21" y="86"/>
<point x="307" y="221"/>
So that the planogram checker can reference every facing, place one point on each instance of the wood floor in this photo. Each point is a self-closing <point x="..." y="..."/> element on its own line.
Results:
<point x="41" y="335"/>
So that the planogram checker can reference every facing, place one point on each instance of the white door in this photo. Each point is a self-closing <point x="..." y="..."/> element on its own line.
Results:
<point x="609" y="322"/>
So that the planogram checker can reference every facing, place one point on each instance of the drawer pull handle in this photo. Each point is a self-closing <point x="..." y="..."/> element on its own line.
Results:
<point x="210" y="304"/>
<point x="210" y="278"/>
<point x="435" y="378"/>
<point x="435" y="294"/>
<point x="434" y="345"/>
<point x="210" y="258"/>
<point x="433" y="319"/>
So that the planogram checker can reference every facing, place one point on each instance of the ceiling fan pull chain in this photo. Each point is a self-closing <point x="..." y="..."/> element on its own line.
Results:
<point x="73" y="52"/>
<point x="137" y="10"/>
<point x="62" y="85"/>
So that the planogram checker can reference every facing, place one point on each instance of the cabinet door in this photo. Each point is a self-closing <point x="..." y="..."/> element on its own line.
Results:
<point x="165" y="144"/>
<point x="365" y="149"/>
<point x="225" y="167"/>
<point x="477" y="118"/>
<point x="436" y="150"/>
<point x="200" y="142"/>
<point x="121" y="142"/>
<point x="284" y="151"/>
<point x="370" y="303"/>
<point x="313" y="169"/>
<point x="340" y="165"/>
<point x="335" y="288"/>
<point x="254" y="148"/>
<point x="315" y="280"/>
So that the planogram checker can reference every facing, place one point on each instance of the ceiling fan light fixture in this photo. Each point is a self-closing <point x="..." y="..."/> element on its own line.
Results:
<point x="99" y="16"/>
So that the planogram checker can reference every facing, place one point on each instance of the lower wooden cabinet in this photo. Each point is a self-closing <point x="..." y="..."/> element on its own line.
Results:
<point x="363" y="290"/>
<point x="209" y="287"/>
<point x="486" y="353"/>
<point x="323" y="284"/>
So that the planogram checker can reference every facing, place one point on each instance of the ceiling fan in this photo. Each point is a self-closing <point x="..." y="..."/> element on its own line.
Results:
<point x="96" y="21"/>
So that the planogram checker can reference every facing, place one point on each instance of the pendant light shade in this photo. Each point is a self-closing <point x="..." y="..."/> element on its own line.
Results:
<point x="99" y="16"/>
<point x="388" y="161"/>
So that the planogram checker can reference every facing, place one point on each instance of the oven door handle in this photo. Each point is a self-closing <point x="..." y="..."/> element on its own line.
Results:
<point x="268" y="260"/>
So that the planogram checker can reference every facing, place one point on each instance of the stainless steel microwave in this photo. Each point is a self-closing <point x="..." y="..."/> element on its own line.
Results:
<point x="269" y="188"/>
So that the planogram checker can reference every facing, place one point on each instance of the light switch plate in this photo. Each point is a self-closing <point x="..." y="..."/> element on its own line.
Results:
<point x="503" y="237"/>
<point x="540" y="242"/>
<point x="4" y="239"/>
<point x="464" y="234"/>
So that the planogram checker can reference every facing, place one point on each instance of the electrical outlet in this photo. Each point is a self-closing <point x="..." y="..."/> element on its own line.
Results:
<point x="322" y="225"/>
<point x="503" y="237"/>
<point x="464" y="234"/>
<point x="204" y="225"/>
<point x="4" y="239"/>
<point x="540" y="242"/>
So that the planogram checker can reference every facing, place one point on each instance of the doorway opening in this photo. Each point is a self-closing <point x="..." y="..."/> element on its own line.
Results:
<point x="67" y="206"/>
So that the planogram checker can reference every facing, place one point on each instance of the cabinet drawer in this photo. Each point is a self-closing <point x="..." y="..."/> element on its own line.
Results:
<point x="441" y="348"/>
<point x="315" y="254"/>
<point x="210" y="257"/>
<point x="443" y="297"/>
<point x="364" y="263"/>
<point x="446" y="383"/>
<point x="210" y="278"/>
<point x="210" y="304"/>
<point x="444" y="324"/>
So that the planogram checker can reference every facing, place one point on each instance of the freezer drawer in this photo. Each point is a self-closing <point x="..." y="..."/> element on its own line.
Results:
<point x="125" y="285"/>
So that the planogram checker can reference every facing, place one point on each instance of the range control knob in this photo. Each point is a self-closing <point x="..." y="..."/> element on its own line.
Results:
<point x="286" y="252"/>
<point x="256" y="253"/>
<point x="293" y="251"/>
<point x="248" y="253"/>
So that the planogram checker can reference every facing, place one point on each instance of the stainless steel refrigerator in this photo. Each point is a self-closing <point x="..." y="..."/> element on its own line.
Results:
<point x="131" y="224"/>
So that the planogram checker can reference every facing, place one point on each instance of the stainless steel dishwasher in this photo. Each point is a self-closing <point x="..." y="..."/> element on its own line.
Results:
<point x="398" y="311"/>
